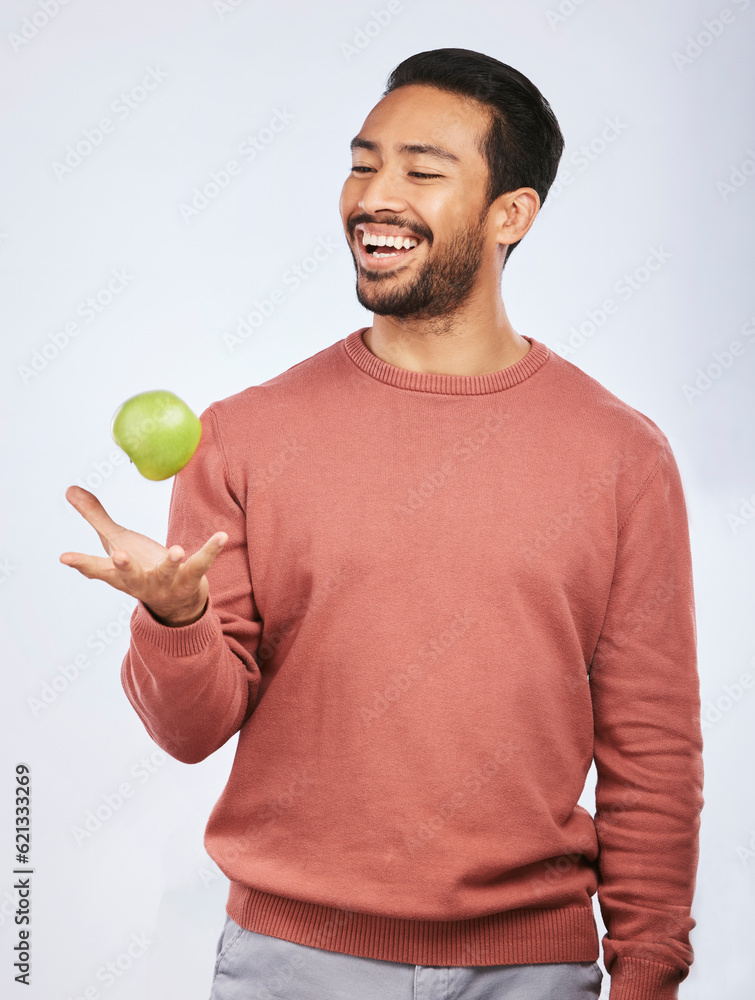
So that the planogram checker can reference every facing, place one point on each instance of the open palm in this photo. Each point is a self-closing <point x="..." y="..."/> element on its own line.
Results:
<point x="174" y="587"/>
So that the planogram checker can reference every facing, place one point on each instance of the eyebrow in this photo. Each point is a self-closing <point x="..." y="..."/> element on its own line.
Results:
<point x="421" y="149"/>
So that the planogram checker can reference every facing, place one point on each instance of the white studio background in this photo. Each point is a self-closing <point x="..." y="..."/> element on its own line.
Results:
<point x="652" y="209"/>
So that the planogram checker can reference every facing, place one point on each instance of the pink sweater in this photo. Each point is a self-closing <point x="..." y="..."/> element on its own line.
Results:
<point x="441" y="595"/>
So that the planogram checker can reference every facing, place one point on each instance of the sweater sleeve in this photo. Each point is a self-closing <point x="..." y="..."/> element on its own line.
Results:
<point x="194" y="686"/>
<point x="648" y="746"/>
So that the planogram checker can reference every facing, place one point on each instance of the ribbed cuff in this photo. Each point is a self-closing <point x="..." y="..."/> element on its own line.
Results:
<point x="643" y="979"/>
<point x="185" y="640"/>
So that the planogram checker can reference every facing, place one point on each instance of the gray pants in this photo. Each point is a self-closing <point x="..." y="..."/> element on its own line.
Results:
<point x="253" y="966"/>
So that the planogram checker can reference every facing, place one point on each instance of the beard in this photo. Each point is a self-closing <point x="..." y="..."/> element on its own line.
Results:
<point x="441" y="285"/>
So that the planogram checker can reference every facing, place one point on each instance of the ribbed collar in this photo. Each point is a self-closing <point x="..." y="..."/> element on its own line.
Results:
<point x="456" y="385"/>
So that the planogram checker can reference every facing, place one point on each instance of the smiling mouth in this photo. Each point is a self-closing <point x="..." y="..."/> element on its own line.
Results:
<point x="383" y="253"/>
<point x="381" y="248"/>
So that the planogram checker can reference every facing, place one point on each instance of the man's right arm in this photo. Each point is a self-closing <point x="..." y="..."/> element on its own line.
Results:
<point x="193" y="679"/>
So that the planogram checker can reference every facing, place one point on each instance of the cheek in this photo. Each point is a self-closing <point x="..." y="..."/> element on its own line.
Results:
<point x="343" y="202"/>
<point x="347" y="203"/>
<point x="441" y="211"/>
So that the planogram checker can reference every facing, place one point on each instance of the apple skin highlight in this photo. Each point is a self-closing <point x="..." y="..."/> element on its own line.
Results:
<point x="158" y="432"/>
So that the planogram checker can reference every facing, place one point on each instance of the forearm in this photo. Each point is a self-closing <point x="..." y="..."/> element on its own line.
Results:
<point x="648" y="804"/>
<point x="648" y="747"/>
<point x="191" y="685"/>
<point x="192" y="677"/>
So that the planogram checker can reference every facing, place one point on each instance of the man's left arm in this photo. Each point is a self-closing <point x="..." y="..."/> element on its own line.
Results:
<point x="648" y="745"/>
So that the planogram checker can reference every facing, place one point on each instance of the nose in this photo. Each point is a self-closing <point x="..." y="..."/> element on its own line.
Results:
<point x="382" y="193"/>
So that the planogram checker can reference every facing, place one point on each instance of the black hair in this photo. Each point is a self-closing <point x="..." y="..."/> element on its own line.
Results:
<point x="524" y="143"/>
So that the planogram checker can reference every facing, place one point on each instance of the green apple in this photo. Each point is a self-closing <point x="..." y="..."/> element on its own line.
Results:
<point x="158" y="432"/>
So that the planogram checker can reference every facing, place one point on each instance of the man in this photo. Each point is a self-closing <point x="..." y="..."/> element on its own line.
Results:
<point x="448" y="570"/>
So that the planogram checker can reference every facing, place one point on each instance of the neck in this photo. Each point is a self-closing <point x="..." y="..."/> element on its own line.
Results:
<point x="474" y="341"/>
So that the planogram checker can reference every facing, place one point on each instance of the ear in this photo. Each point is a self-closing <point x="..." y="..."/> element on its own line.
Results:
<point x="514" y="212"/>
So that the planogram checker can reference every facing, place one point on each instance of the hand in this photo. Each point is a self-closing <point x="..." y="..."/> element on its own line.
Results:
<point x="174" y="588"/>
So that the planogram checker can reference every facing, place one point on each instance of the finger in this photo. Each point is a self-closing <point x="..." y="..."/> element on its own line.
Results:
<point x="94" y="568"/>
<point x="200" y="561"/>
<point x="91" y="510"/>
<point x="169" y="565"/>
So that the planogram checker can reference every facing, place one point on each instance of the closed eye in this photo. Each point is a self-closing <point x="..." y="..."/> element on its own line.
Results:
<point x="412" y="173"/>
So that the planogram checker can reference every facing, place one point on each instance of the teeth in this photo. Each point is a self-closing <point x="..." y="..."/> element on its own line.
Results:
<point x="386" y="255"/>
<point x="399" y="242"/>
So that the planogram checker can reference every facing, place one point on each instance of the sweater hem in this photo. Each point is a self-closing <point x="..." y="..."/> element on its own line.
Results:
<point x="511" y="937"/>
